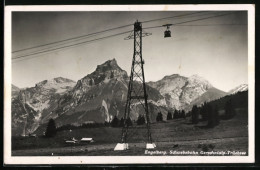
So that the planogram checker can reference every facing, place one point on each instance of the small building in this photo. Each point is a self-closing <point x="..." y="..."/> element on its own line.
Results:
<point x="33" y="135"/>
<point x="72" y="140"/>
<point x="87" y="140"/>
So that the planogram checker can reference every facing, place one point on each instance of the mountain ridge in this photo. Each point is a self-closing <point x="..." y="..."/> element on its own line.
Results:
<point x="101" y="95"/>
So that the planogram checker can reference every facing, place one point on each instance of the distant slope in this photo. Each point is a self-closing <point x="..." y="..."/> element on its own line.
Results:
<point x="239" y="100"/>
<point x="210" y="95"/>
<point x="240" y="88"/>
<point x="15" y="91"/>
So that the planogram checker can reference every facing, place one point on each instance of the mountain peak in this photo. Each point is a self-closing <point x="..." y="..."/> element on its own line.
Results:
<point x="103" y="73"/>
<point x="108" y="65"/>
<point x="171" y="76"/>
<point x="196" y="79"/>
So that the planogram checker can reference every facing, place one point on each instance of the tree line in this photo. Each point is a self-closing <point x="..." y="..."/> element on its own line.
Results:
<point x="206" y="112"/>
<point x="209" y="112"/>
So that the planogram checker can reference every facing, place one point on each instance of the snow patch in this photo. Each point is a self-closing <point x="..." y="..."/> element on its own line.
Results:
<point x="240" y="88"/>
<point x="104" y="104"/>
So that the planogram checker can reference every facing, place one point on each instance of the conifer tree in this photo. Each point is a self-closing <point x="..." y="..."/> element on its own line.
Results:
<point x="169" y="116"/>
<point x="51" y="129"/>
<point x="159" y="117"/>
<point x="114" y="122"/>
<point x="129" y="122"/>
<point x="195" y="115"/>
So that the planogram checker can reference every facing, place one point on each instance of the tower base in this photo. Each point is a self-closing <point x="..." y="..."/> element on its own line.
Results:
<point x="150" y="146"/>
<point x="121" y="146"/>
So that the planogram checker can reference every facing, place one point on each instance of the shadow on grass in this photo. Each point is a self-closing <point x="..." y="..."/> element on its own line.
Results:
<point x="188" y="123"/>
<point x="204" y="127"/>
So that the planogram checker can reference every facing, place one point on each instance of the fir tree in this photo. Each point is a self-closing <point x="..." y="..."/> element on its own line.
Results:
<point x="176" y="114"/>
<point x="114" y="122"/>
<point x="129" y="122"/>
<point x="229" y="110"/>
<point x="169" y="116"/>
<point x="121" y="123"/>
<point x="51" y="129"/>
<point x="195" y="115"/>
<point x="159" y="117"/>
<point x="183" y="115"/>
<point x="140" y="120"/>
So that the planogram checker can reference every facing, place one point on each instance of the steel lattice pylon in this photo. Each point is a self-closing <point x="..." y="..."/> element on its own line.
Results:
<point x="136" y="88"/>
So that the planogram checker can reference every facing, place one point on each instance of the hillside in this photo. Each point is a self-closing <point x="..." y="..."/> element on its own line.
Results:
<point x="239" y="100"/>
<point x="240" y="88"/>
<point x="211" y="95"/>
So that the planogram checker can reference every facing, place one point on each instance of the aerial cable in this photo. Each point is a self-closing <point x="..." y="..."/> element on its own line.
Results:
<point x="73" y="45"/>
<point x="189" y="21"/>
<point x="93" y="34"/>
<point x="176" y="16"/>
<point x="51" y="47"/>
<point x="212" y="25"/>
<point x="69" y="39"/>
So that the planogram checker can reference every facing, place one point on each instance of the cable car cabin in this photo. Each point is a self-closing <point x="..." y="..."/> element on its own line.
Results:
<point x="167" y="33"/>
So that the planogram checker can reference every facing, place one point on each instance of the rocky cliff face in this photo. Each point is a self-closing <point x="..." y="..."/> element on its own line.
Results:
<point x="38" y="100"/>
<point x="180" y="91"/>
<point x="100" y="96"/>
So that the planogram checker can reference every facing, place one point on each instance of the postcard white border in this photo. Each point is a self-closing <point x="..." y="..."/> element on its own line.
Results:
<point x="8" y="159"/>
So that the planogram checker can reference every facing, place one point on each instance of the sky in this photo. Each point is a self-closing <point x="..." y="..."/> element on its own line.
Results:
<point x="216" y="52"/>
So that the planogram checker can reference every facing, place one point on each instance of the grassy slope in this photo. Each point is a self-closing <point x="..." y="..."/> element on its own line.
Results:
<point x="165" y="135"/>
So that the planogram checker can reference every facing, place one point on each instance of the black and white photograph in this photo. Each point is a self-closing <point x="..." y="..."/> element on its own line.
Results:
<point x="129" y="84"/>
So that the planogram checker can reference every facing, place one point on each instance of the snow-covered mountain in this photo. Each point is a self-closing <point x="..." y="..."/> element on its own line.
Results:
<point x="240" y="88"/>
<point x="180" y="91"/>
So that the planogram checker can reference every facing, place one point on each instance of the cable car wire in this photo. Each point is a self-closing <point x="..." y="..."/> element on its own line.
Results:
<point x="172" y="17"/>
<point x="72" y="38"/>
<point x="68" y="46"/>
<point x="190" y="20"/>
<point x="92" y="34"/>
<point x="84" y="42"/>
<point x="212" y="25"/>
